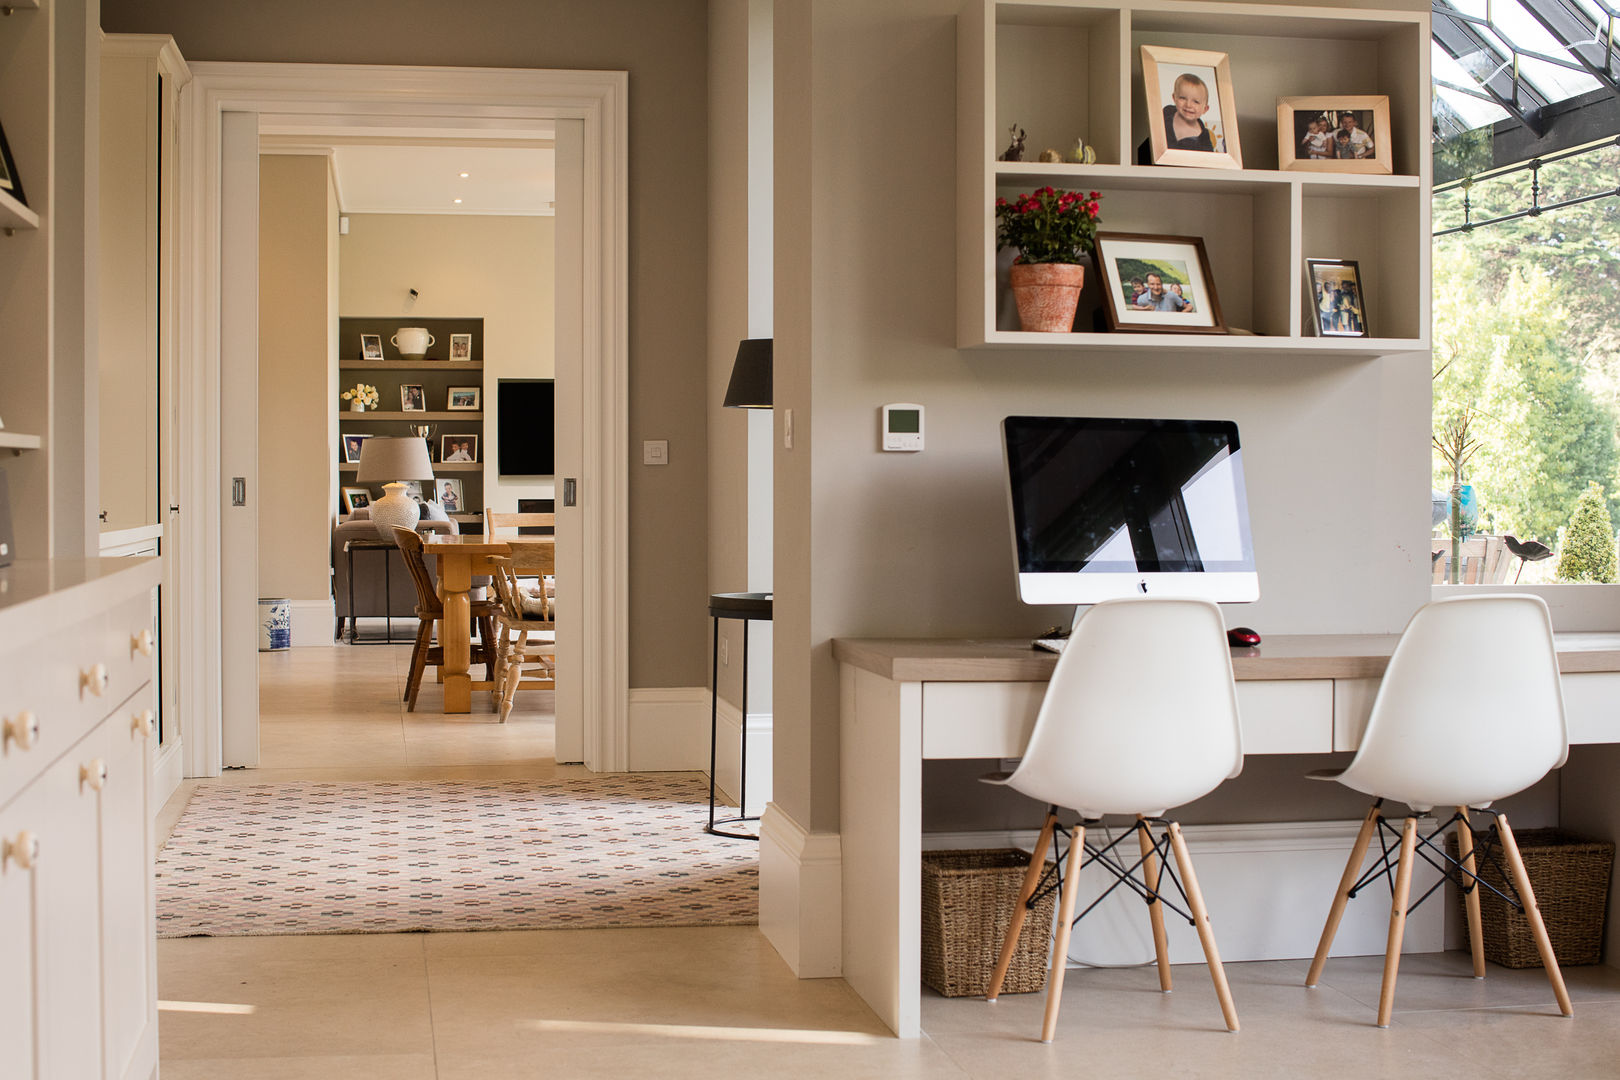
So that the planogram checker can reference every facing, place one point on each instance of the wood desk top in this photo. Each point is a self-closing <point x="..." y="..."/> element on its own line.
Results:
<point x="1284" y="656"/>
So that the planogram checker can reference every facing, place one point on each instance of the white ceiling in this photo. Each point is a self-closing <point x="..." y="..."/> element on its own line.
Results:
<point x="427" y="179"/>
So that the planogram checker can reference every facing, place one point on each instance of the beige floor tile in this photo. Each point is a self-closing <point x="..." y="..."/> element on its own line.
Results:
<point x="701" y="1058"/>
<point x="345" y="1067"/>
<point x="1446" y="981"/>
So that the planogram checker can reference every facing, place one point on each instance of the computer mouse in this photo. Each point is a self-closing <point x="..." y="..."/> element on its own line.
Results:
<point x="1242" y="635"/>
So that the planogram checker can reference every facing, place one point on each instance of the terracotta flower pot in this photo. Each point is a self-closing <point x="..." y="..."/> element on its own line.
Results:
<point x="1047" y="295"/>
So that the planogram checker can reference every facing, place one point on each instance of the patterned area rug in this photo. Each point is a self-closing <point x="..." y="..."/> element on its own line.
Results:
<point x="349" y="858"/>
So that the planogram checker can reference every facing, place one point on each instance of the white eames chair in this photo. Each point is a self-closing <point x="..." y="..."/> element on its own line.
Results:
<point x="1140" y="716"/>
<point x="1470" y="711"/>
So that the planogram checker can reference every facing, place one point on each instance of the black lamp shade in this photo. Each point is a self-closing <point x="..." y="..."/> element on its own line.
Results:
<point x="750" y="376"/>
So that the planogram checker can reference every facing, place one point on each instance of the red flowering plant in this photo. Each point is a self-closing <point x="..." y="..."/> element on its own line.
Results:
<point x="1048" y="226"/>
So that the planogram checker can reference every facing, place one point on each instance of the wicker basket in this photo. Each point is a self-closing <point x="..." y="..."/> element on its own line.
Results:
<point x="968" y="899"/>
<point x="1570" y="875"/>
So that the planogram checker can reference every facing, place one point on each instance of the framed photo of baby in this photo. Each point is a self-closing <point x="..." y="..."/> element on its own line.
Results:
<point x="1334" y="133"/>
<point x="1191" y="109"/>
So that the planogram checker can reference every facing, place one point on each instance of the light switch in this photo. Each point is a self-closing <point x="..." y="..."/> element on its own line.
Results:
<point x="655" y="452"/>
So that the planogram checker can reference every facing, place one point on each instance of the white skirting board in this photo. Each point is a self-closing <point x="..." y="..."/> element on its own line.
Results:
<point x="800" y="895"/>
<point x="313" y="622"/>
<point x="1268" y="888"/>
<point x="669" y="729"/>
<point x="728" y="749"/>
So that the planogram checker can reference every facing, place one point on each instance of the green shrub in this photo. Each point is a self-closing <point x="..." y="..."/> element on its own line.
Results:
<point x="1588" y="553"/>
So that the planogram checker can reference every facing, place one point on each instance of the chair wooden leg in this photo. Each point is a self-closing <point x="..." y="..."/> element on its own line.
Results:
<point x="502" y="634"/>
<point x="424" y="641"/>
<point x="1206" y="933"/>
<point x="514" y="674"/>
<point x="1065" y="923"/>
<point x="1465" y="855"/>
<point x="1352" y="871"/>
<point x="486" y="635"/>
<point x="1538" y="928"/>
<point x="1032" y="878"/>
<point x="1397" y="920"/>
<point x="1150" y="875"/>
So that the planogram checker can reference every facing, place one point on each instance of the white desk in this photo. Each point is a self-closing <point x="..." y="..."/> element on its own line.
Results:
<point x="906" y="700"/>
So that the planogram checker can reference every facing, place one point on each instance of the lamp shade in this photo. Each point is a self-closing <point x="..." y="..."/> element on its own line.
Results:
<point x="751" y="376"/>
<point x="386" y="458"/>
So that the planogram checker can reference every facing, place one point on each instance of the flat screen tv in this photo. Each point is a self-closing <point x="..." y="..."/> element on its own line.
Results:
<point x="1104" y="507"/>
<point x="526" y="412"/>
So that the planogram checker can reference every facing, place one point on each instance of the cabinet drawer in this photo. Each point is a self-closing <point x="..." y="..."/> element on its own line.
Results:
<point x="979" y="720"/>
<point x="128" y="668"/>
<point x="1292" y="716"/>
<point x="42" y="680"/>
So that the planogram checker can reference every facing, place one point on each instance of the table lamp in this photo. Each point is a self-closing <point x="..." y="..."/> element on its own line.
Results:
<point x="391" y="461"/>
<point x="750" y="386"/>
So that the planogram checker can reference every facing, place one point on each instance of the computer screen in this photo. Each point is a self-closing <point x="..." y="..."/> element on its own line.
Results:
<point x="1104" y="507"/>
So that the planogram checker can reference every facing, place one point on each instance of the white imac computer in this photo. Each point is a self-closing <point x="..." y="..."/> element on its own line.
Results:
<point x="1105" y="508"/>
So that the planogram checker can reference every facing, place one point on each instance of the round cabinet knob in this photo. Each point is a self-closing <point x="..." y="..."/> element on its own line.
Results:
<point x="93" y="775"/>
<point x="141" y="723"/>
<point x="24" y="851"/>
<point x="94" y="680"/>
<point x="22" y="729"/>
<point x="141" y="643"/>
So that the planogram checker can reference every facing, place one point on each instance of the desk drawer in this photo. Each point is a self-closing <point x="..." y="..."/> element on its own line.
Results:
<point x="1592" y="706"/>
<point x="1292" y="716"/>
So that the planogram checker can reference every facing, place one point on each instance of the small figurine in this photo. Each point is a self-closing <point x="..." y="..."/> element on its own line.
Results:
<point x="1051" y="157"/>
<point x="1015" y="149"/>
<point x="1083" y="153"/>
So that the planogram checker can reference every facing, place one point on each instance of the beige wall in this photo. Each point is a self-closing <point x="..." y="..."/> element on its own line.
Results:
<point x="663" y="45"/>
<point x="499" y="269"/>
<point x="297" y="474"/>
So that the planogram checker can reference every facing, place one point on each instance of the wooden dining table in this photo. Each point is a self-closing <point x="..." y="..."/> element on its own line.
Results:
<point x="460" y="559"/>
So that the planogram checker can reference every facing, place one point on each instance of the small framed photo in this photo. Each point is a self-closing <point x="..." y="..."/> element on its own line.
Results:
<point x="465" y="397"/>
<point x="447" y="493"/>
<point x="1192" y="112"/>
<point x="1336" y="296"/>
<point x="352" y="445"/>
<point x="1158" y="284"/>
<point x="461" y="346"/>
<point x="9" y="181"/>
<point x="411" y="398"/>
<point x="413" y="489"/>
<point x="1328" y="133"/>
<point x="371" y="347"/>
<point x="356" y="498"/>
<point x="458" y="448"/>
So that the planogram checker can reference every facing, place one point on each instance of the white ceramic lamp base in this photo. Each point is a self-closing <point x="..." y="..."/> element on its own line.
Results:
<point x="395" y="509"/>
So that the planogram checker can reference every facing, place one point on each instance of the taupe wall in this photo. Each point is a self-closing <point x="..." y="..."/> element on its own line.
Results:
<point x="297" y="471"/>
<point x="500" y="269"/>
<point x="663" y="45"/>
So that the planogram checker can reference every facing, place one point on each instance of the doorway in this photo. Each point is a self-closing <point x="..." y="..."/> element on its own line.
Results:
<point x="586" y="110"/>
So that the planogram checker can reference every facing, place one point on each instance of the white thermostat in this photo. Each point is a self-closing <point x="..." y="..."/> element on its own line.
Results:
<point x="902" y="427"/>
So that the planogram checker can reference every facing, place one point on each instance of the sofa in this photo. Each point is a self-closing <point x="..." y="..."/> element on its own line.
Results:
<point x="368" y="571"/>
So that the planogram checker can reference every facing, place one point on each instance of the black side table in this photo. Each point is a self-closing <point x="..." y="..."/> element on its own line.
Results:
<point x="749" y="607"/>
<point x="384" y="546"/>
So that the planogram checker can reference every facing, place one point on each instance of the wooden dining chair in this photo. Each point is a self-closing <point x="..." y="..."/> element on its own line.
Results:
<point x="494" y="520"/>
<point x="530" y="662"/>
<point x="429" y="609"/>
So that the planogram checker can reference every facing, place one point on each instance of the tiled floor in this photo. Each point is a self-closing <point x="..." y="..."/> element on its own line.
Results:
<point x="718" y="1002"/>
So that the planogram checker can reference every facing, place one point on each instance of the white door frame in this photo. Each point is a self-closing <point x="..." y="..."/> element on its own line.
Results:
<point x="404" y="97"/>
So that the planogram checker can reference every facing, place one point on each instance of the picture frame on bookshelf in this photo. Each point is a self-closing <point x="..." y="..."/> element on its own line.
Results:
<point x="464" y="398"/>
<point x="356" y="498"/>
<point x="371" y="347"/>
<point x="353" y="443"/>
<point x="413" y="490"/>
<point x="1334" y="133"/>
<point x="1191" y="108"/>
<point x="453" y="448"/>
<point x="9" y="180"/>
<point x="1158" y="284"/>
<point x="1337" y="298"/>
<point x="412" y="398"/>
<point x="447" y="493"/>
<point x="461" y="346"/>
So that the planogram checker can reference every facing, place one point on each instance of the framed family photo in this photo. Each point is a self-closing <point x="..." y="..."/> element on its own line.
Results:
<point x="371" y="347"/>
<point x="458" y="448"/>
<point x="352" y="445"/>
<point x="461" y="346"/>
<point x="447" y="493"/>
<point x="412" y="398"/>
<point x="1339" y="304"/>
<point x="356" y="498"/>
<point x="464" y="398"/>
<point x="1191" y="109"/>
<point x="1334" y="133"/>
<point x="1158" y="284"/>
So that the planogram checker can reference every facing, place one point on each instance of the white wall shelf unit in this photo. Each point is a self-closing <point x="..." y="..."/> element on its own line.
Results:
<point x="16" y="440"/>
<point x="14" y="215"/>
<point x="1072" y="69"/>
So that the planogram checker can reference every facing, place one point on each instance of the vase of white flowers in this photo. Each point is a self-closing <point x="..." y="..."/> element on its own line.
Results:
<point x="361" y="398"/>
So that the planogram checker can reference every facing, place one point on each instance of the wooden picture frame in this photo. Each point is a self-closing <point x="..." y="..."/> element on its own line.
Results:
<point x="454" y="448"/>
<point x="461" y="346"/>
<point x="371" y="347"/>
<point x="356" y="498"/>
<point x="412" y="402"/>
<point x="10" y="182"/>
<point x="353" y="444"/>
<point x="1129" y="263"/>
<point x="1166" y="73"/>
<point x="1365" y="117"/>
<point x="1338" y="303"/>
<point x="464" y="398"/>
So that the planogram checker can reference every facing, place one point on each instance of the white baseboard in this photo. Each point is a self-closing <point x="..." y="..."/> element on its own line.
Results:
<point x="168" y="769"/>
<point x="313" y="622"/>
<point x="1268" y="888"/>
<point x="800" y="895"/>
<point x="669" y="729"/>
<point x="728" y="748"/>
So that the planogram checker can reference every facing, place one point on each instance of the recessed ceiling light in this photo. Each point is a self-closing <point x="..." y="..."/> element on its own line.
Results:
<point x="464" y="176"/>
<point x="458" y="200"/>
